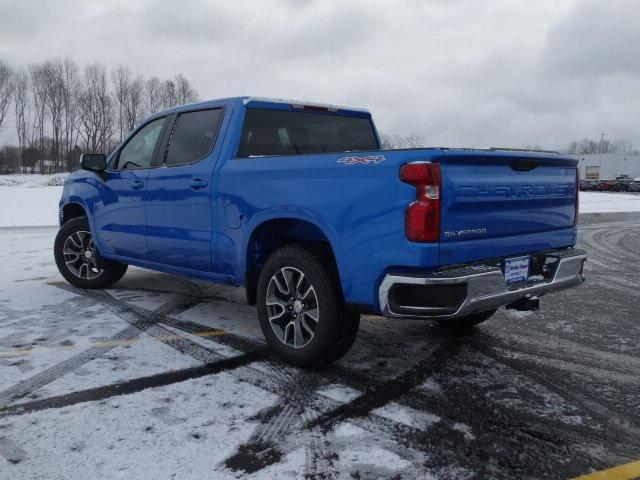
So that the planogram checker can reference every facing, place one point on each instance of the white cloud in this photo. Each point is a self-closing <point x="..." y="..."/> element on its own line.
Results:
<point x="461" y="72"/>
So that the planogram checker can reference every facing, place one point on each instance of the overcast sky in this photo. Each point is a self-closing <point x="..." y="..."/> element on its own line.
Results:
<point x="460" y="72"/>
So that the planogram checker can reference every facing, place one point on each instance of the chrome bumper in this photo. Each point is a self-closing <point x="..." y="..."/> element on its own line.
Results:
<point x="486" y="288"/>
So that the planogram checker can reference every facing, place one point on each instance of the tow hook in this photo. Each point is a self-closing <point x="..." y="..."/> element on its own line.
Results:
<point x="525" y="304"/>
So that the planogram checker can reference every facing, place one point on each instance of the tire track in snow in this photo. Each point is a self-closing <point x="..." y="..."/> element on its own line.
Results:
<point x="132" y="386"/>
<point x="541" y="434"/>
<point x="267" y="443"/>
<point x="388" y="390"/>
<point x="277" y="422"/>
<point x="138" y="324"/>
<point x="545" y="374"/>
<point x="257" y="453"/>
<point x="254" y="456"/>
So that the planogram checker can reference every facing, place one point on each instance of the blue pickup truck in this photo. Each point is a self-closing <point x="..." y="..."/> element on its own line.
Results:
<point x="299" y="203"/>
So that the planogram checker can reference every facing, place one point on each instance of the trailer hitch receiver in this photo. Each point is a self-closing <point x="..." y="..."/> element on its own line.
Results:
<point x="527" y="303"/>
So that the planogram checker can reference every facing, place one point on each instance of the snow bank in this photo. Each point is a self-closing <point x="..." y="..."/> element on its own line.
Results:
<point x="32" y="180"/>
<point x="605" y="202"/>
<point x="32" y="200"/>
<point x="22" y="207"/>
<point x="28" y="200"/>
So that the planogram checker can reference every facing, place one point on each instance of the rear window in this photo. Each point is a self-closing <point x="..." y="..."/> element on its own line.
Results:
<point x="279" y="132"/>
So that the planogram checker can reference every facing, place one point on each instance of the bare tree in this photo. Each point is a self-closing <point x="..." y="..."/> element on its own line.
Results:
<point x="6" y="88"/>
<point x="121" y="79"/>
<point x="134" y="109"/>
<point x="169" y="98"/>
<point x="38" y="79"/>
<point x="587" y="146"/>
<point x="53" y="78"/>
<point x="96" y="109"/>
<point x="21" y="111"/>
<point x="415" y="140"/>
<point x="58" y="105"/>
<point x="622" y="146"/>
<point x="397" y="140"/>
<point x="152" y="102"/>
<point x="387" y="141"/>
<point x="184" y="91"/>
<point x="70" y="106"/>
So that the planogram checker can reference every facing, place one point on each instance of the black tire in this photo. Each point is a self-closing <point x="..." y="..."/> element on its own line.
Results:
<point x="336" y="327"/>
<point x="109" y="272"/>
<point x="468" y="322"/>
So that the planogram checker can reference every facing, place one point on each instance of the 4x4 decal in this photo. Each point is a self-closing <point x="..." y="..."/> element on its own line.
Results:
<point x="362" y="160"/>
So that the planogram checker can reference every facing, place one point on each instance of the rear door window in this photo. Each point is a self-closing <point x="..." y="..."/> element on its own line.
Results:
<point x="281" y="132"/>
<point x="193" y="136"/>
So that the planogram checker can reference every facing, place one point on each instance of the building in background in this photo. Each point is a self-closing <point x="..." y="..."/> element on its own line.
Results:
<point x="608" y="166"/>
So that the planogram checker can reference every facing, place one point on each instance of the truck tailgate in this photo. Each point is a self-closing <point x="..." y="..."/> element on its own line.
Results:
<point x="497" y="203"/>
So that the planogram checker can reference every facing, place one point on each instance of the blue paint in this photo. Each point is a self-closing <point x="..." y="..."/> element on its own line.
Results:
<point x="359" y="208"/>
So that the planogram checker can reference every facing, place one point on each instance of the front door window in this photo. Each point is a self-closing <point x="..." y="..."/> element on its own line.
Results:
<point x="138" y="152"/>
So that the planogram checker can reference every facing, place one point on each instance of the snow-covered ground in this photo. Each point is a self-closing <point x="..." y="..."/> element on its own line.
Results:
<point x="32" y="200"/>
<point x="242" y="421"/>
<point x="606" y="202"/>
<point x="32" y="180"/>
<point x="110" y="384"/>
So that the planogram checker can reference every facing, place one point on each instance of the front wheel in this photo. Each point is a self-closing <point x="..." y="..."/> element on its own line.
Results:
<point x="301" y="310"/>
<point x="78" y="260"/>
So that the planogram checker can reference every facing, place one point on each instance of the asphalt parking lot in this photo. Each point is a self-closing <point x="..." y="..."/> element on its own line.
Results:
<point x="164" y="377"/>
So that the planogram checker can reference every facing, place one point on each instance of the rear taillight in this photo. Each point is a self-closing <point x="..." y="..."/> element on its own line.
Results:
<point x="422" y="217"/>
<point x="575" y="218"/>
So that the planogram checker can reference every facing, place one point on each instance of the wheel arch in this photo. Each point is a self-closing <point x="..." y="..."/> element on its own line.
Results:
<point x="71" y="210"/>
<point x="270" y="234"/>
<point x="74" y="206"/>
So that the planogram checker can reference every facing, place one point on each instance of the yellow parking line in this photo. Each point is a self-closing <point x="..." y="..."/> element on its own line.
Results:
<point x="208" y="333"/>
<point x="115" y="343"/>
<point x="374" y="317"/>
<point x="15" y="353"/>
<point x="628" y="471"/>
<point x="131" y="341"/>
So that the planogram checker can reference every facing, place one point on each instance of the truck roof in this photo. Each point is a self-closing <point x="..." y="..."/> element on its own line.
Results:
<point x="255" y="101"/>
<point x="264" y="102"/>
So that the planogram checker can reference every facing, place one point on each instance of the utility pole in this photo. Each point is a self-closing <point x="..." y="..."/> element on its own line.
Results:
<point x="602" y="135"/>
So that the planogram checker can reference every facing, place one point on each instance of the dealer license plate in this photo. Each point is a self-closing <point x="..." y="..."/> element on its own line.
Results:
<point x="516" y="269"/>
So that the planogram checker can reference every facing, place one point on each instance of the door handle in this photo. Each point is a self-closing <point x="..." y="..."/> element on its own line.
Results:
<point x="198" y="183"/>
<point x="137" y="185"/>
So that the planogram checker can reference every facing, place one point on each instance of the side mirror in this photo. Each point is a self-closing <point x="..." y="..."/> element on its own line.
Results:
<point x="94" y="162"/>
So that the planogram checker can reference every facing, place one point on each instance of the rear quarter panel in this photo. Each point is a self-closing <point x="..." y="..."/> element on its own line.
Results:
<point x="359" y="207"/>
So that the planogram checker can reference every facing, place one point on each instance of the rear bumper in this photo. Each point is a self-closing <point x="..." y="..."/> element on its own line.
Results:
<point x="459" y="291"/>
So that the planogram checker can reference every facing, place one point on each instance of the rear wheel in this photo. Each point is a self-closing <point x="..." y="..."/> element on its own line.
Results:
<point x="467" y="322"/>
<point x="78" y="260"/>
<point x="301" y="310"/>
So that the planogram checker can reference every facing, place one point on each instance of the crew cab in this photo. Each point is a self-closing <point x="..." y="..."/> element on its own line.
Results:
<point x="299" y="203"/>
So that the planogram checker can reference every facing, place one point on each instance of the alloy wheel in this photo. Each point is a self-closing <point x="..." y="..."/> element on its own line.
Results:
<point x="80" y="255"/>
<point x="292" y="306"/>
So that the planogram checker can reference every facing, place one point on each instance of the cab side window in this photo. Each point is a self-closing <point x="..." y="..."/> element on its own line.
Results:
<point x="193" y="136"/>
<point x="139" y="151"/>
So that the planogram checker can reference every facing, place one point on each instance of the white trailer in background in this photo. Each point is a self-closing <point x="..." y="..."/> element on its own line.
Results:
<point x="608" y="166"/>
